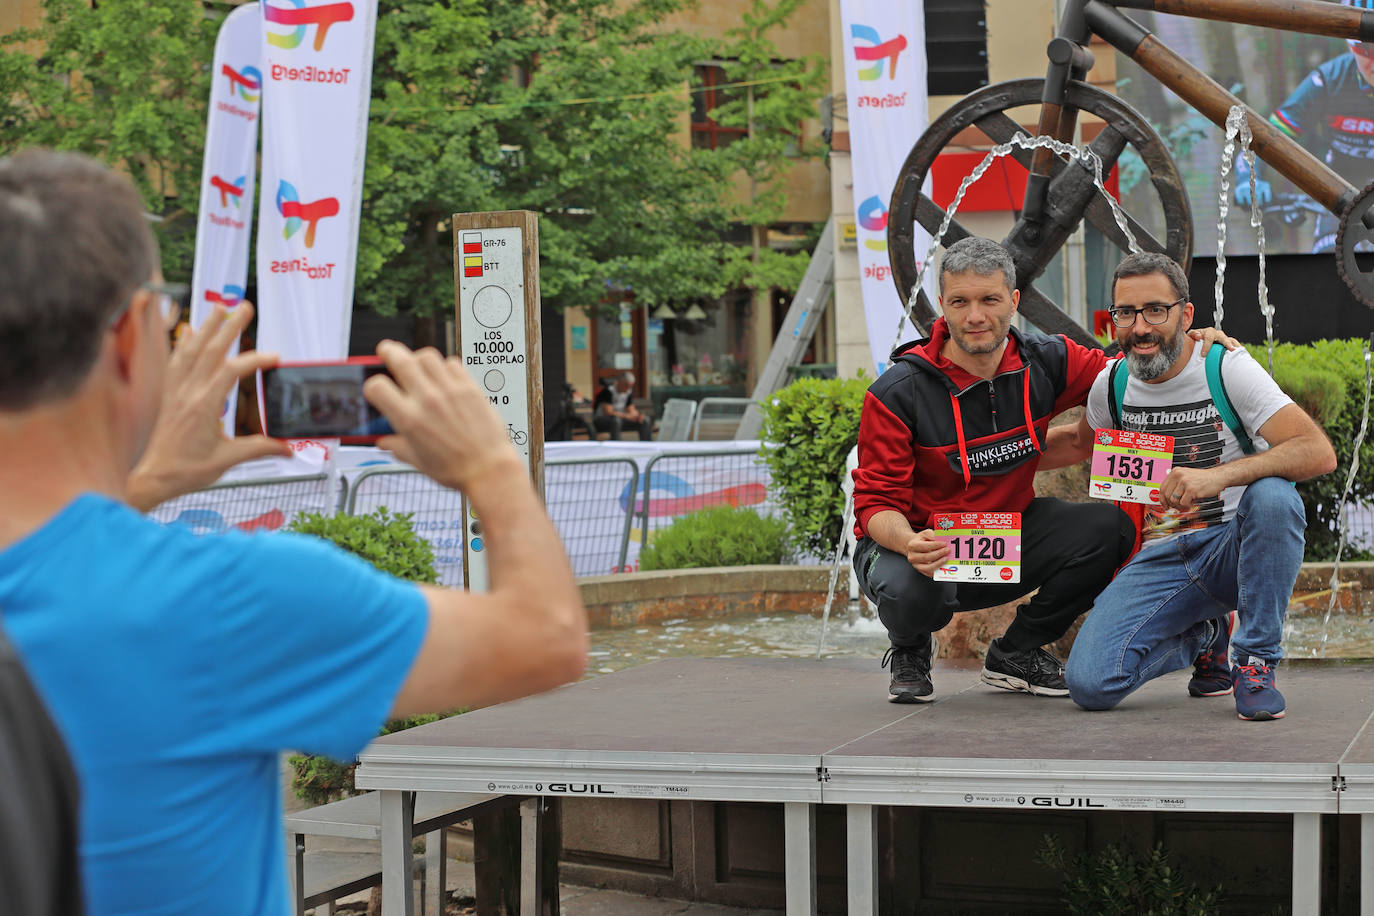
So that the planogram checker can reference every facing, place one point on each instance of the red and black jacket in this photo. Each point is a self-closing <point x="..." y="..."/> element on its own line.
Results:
<point x="934" y="438"/>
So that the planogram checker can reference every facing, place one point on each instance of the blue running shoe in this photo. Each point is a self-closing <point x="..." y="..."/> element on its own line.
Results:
<point x="1256" y="696"/>
<point x="1212" y="668"/>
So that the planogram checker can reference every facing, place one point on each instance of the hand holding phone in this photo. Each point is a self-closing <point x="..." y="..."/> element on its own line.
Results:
<point x="445" y="426"/>
<point x="322" y="400"/>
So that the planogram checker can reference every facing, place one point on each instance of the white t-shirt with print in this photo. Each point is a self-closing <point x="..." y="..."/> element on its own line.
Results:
<point x="1182" y="407"/>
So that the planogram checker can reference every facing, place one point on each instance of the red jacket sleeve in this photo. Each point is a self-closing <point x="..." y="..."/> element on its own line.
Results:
<point x="1081" y="370"/>
<point x="887" y="463"/>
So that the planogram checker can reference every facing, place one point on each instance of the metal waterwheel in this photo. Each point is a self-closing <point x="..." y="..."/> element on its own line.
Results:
<point x="1071" y="195"/>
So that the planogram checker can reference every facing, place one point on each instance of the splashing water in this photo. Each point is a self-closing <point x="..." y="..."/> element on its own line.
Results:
<point x="1238" y="130"/>
<point x="1345" y="494"/>
<point x="835" y="571"/>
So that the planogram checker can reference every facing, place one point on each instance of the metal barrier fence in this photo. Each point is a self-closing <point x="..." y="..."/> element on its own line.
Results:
<point x="733" y="477"/>
<point x="1359" y="528"/>
<point x="603" y="507"/>
<point x="589" y="500"/>
<point x="436" y="512"/>
<point x="585" y="499"/>
<point x="595" y="503"/>
<point x="250" y="505"/>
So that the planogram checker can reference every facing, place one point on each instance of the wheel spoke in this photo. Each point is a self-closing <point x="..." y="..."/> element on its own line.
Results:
<point x="999" y="128"/>
<point x="991" y="111"/>
<point x="923" y="314"/>
<point x="1041" y="311"/>
<point x="930" y="216"/>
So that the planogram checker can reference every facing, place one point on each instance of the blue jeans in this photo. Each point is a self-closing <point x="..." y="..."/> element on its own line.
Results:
<point x="1153" y="618"/>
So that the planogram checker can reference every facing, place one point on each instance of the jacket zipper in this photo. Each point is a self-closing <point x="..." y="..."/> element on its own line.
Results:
<point x="992" y="404"/>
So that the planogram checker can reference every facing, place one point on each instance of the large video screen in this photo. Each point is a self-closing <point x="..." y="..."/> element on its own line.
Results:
<point x="1309" y="87"/>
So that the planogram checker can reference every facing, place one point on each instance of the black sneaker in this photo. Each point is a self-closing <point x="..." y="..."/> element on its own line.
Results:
<point x="910" y="673"/>
<point x="1032" y="671"/>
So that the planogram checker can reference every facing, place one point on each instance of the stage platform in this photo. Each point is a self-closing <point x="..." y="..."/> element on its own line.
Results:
<point x="805" y="732"/>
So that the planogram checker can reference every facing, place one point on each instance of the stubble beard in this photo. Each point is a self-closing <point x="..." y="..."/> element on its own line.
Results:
<point x="992" y="346"/>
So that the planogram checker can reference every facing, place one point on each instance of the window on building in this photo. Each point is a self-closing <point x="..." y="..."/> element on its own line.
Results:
<point x="956" y="46"/>
<point x="706" y="133"/>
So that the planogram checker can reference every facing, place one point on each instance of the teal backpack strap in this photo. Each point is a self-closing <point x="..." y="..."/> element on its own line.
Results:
<point x="1116" y="391"/>
<point x="1217" y="388"/>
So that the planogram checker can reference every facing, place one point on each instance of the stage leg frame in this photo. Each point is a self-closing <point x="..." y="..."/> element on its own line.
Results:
<point x="398" y="818"/>
<point x="861" y="860"/>
<point x="1307" y="864"/>
<point x="799" y="857"/>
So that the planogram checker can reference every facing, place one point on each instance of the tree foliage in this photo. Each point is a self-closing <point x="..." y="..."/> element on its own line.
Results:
<point x="127" y="83"/>
<point x="575" y="109"/>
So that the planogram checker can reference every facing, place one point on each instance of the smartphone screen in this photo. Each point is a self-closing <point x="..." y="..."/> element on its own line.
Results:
<point x="321" y="401"/>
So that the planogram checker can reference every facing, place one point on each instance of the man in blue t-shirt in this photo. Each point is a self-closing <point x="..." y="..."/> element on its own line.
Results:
<point x="178" y="667"/>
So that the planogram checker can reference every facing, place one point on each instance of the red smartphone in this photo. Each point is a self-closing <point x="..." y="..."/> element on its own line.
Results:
<point x="322" y="400"/>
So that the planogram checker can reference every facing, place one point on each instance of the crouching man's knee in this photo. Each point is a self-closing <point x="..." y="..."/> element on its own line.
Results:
<point x="1087" y="685"/>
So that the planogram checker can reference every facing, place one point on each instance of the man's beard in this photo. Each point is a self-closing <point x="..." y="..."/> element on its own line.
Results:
<point x="1149" y="368"/>
<point x="999" y="334"/>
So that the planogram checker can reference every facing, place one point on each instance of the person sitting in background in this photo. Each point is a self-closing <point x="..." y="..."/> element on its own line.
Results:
<point x="614" y="410"/>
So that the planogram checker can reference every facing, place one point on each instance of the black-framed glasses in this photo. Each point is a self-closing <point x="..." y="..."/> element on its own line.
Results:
<point x="1123" y="316"/>
<point x="172" y="302"/>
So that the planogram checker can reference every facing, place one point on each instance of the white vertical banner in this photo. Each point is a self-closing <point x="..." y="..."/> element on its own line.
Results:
<point x="317" y="75"/>
<point x="885" y="84"/>
<point x="224" y="225"/>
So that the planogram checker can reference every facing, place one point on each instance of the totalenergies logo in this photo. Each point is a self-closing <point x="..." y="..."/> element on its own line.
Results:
<point x="229" y="297"/>
<point x="246" y="82"/>
<point x="873" y="217"/>
<point x="299" y="16"/>
<point x="229" y="191"/>
<point x="875" y="50"/>
<point x="308" y="214"/>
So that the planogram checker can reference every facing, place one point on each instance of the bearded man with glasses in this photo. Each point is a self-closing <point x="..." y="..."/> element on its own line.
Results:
<point x="1225" y="519"/>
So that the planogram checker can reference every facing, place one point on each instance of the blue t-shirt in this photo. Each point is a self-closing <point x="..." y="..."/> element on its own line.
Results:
<point x="178" y="667"/>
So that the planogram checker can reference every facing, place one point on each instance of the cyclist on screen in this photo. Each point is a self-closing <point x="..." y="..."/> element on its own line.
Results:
<point x="1331" y="114"/>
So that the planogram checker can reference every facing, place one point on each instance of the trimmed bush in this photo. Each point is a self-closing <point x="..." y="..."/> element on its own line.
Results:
<point x="1115" y="882"/>
<point x="717" y="536"/>
<point x="808" y="429"/>
<point x="1326" y="379"/>
<point x="388" y="542"/>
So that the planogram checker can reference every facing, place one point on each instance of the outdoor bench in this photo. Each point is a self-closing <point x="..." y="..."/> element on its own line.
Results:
<point x="323" y="876"/>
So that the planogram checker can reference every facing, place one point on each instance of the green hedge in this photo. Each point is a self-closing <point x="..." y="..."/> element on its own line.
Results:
<point x="717" y="536"/>
<point x="808" y="429"/>
<point x="1326" y="378"/>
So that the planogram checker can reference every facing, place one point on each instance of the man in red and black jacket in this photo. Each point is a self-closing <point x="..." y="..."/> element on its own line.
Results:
<point x="960" y="423"/>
